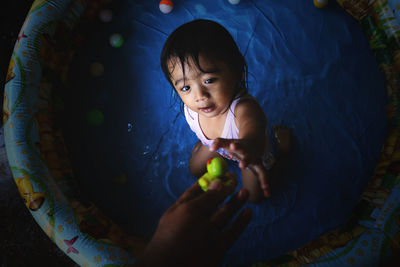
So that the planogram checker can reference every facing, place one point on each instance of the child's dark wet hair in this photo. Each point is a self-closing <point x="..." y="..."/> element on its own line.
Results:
<point x="210" y="39"/>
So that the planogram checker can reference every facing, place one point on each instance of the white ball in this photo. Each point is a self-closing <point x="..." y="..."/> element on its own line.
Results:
<point x="106" y="15"/>
<point x="165" y="8"/>
<point x="234" y="2"/>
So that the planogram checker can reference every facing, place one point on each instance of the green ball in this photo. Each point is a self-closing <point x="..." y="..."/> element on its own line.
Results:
<point x="217" y="166"/>
<point x="116" y="40"/>
<point x="120" y="179"/>
<point x="95" y="117"/>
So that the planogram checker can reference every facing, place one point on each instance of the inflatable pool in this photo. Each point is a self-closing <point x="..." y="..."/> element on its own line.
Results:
<point x="98" y="145"/>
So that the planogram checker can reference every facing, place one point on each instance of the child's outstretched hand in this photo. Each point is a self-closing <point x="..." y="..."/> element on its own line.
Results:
<point x="248" y="155"/>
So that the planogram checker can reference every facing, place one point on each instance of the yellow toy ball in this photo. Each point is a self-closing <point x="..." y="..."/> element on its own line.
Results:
<point x="320" y="3"/>
<point x="216" y="169"/>
<point x="206" y="180"/>
<point x="217" y="166"/>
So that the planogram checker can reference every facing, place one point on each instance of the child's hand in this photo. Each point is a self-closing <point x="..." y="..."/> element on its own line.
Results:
<point x="248" y="155"/>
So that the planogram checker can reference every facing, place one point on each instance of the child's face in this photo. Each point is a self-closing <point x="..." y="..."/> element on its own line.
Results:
<point x="209" y="94"/>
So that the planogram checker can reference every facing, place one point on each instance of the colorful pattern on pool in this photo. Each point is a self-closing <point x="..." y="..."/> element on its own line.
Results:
<point x="35" y="145"/>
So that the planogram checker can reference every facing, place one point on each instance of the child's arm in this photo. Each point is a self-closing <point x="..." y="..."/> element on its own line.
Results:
<point x="249" y="148"/>
<point x="252" y="124"/>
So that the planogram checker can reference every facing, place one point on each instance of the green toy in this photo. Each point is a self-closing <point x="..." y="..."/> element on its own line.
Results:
<point x="216" y="168"/>
<point x="95" y="117"/>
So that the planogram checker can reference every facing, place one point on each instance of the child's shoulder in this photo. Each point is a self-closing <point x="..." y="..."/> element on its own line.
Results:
<point x="246" y="101"/>
<point x="247" y="106"/>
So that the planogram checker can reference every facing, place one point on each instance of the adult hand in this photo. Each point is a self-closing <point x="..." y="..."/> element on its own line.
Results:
<point x="194" y="232"/>
<point x="249" y="156"/>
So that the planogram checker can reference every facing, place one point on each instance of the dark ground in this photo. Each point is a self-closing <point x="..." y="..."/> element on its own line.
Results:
<point x="22" y="241"/>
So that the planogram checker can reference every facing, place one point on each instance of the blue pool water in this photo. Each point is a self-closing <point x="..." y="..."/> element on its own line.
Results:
<point x="311" y="70"/>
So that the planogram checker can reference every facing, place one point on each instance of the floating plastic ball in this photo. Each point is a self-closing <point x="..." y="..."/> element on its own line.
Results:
<point x="116" y="40"/>
<point x="320" y="3"/>
<point x="96" y="69"/>
<point x="234" y="2"/>
<point x="106" y="15"/>
<point x="120" y="179"/>
<point x="200" y="8"/>
<point x="95" y="117"/>
<point x="166" y="6"/>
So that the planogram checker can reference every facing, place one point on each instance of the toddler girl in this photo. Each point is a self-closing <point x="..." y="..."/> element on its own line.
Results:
<point x="203" y="64"/>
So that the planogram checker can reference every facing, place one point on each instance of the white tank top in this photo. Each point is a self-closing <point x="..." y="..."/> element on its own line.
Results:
<point x="230" y="130"/>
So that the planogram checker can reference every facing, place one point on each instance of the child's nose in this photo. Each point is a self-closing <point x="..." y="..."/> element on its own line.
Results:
<point x="201" y="94"/>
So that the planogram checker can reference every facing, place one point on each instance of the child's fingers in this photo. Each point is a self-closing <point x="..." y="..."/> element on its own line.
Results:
<point x="261" y="173"/>
<point x="220" y="142"/>
<point x="242" y="153"/>
<point x="214" y="145"/>
<point x="242" y="164"/>
<point x="246" y="160"/>
<point x="229" y="145"/>
<point x="233" y="146"/>
<point x="237" y="148"/>
<point x="239" y="153"/>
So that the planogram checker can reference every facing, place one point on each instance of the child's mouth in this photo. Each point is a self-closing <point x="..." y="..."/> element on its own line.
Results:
<point x="207" y="109"/>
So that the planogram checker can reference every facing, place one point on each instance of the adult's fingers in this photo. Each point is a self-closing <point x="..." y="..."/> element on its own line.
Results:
<point x="225" y="213"/>
<point x="191" y="193"/>
<point x="236" y="228"/>
<point x="208" y="202"/>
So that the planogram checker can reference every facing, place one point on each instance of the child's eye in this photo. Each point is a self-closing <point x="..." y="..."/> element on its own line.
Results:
<point x="185" y="88"/>
<point x="210" y="80"/>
